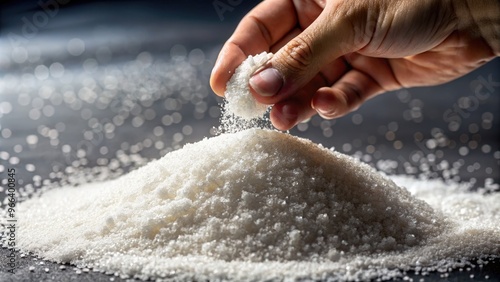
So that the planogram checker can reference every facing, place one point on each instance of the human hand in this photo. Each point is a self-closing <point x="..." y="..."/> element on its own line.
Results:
<point x="330" y="56"/>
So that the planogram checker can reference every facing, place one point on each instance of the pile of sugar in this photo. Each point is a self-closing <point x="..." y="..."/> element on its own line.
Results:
<point x="260" y="205"/>
<point x="239" y="100"/>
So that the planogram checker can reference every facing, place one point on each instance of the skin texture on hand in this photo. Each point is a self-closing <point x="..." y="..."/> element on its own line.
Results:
<point x="330" y="56"/>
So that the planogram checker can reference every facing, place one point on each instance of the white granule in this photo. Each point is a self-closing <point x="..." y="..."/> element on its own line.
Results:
<point x="239" y="100"/>
<point x="260" y="205"/>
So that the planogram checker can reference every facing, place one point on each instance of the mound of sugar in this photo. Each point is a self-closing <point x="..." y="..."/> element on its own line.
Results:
<point x="239" y="100"/>
<point x="254" y="205"/>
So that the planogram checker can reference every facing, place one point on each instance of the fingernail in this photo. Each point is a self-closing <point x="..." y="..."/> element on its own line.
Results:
<point x="267" y="82"/>
<point x="326" y="113"/>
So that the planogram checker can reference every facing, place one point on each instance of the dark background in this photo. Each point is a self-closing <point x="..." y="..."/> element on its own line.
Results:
<point x="447" y="131"/>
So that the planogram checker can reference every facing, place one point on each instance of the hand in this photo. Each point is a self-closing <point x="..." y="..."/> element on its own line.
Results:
<point x="330" y="56"/>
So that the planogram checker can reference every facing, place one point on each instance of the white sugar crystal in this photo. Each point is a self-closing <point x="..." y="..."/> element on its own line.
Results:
<point x="240" y="101"/>
<point x="260" y="205"/>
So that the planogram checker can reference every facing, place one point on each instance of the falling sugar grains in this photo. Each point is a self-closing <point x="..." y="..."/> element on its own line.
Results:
<point x="259" y="205"/>
<point x="240" y="109"/>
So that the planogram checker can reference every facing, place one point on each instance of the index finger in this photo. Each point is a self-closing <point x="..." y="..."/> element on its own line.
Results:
<point x="260" y="29"/>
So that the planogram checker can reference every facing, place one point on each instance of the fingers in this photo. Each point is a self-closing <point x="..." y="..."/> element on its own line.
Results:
<point x="307" y="74"/>
<point x="367" y="78"/>
<point x="297" y="108"/>
<point x="288" y="113"/>
<point x="337" y="90"/>
<point x="379" y="69"/>
<point x="345" y="95"/>
<point x="285" y="115"/>
<point x="260" y="29"/>
<point x="297" y="62"/>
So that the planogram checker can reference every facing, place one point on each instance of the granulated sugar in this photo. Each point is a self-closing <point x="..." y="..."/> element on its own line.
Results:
<point x="240" y="110"/>
<point x="239" y="100"/>
<point x="260" y="205"/>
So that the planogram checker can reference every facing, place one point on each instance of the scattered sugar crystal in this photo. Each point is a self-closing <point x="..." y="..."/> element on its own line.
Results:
<point x="260" y="205"/>
<point x="239" y="100"/>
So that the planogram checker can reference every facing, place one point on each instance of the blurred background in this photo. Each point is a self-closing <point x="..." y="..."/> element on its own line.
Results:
<point x="92" y="89"/>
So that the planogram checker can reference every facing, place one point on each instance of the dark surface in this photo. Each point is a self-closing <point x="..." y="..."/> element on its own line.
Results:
<point x="395" y="126"/>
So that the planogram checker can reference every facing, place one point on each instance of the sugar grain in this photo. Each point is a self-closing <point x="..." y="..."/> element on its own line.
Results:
<point x="261" y="205"/>
<point x="239" y="100"/>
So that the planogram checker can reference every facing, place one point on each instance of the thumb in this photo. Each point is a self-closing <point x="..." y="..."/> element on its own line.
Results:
<point x="297" y="62"/>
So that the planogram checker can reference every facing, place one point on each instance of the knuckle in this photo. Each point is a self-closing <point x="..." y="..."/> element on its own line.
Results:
<point x="351" y="97"/>
<point x="297" y="55"/>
